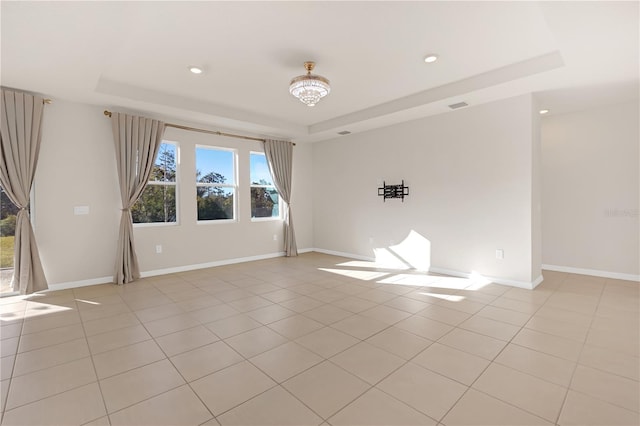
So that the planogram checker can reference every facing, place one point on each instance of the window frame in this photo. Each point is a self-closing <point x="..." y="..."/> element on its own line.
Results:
<point x="161" y="183"/>
<point x="251" y="186"/>
<point x="233" y="186"/>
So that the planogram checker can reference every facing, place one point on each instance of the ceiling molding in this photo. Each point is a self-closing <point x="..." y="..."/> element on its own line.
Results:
<point x="135" y="55"/>
<point x="527" y="68"/>
<point x="210" y="113"/>
<point x="161" y="102"/>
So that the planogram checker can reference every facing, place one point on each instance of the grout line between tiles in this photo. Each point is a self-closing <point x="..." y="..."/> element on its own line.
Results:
<point x="193" y="390"/>
<point x="143" y="400"/>
<point x="13" y="375"/>
<point x="609" y="372"/>
<point x="95" y="372"/>
<point x="324" y="419"/>
<point x="486" y="368"/>
<point x="575" y="367"/>
<point x="556" y="290"/>
<point x="52" y="395"/>
<point x="13" y="367"/>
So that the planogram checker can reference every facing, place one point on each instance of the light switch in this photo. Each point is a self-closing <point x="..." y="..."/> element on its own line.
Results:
<point x="78" y="210"/>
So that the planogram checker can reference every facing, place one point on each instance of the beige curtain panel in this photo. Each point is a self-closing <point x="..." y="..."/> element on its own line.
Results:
<point x="280" y="161"/>
<point x="19" y="148"/>
<point x="137" y="140"/>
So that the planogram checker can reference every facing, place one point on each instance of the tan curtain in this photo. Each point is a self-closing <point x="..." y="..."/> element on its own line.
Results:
<point x="279" y="156"/>
<point x="137" y="140"/>
<point x="19" y="149"/>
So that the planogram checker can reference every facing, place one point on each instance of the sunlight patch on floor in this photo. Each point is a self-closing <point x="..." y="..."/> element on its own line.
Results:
<point x="413" y="280"/>
<point x="352" y="273"/>
<point x="89" y="302"/>
<point x="449" y="297"/>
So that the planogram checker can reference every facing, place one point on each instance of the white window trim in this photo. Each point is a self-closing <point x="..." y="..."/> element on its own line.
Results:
<point x="152" y="224"/>
<point x="177" y="186"/>
<point x="221" y="185"/>
<point x="234" y="186"/>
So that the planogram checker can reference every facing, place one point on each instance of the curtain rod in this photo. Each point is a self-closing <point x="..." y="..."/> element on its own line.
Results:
<point x="211" y="132"/>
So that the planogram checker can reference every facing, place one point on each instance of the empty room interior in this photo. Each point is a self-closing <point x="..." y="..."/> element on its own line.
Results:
<point x="320" y="213"/>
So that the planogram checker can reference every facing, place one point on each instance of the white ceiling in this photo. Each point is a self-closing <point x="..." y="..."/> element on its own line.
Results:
<point x="134" y="55"/>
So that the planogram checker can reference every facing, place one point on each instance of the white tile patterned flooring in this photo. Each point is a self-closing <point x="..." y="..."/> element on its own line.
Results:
<point x="322" y="340"/>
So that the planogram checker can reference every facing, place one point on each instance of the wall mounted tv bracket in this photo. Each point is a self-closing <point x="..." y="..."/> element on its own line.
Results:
<point x="393" y="191"/>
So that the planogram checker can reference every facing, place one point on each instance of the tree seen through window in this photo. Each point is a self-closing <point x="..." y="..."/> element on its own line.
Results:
<point x="157" y="204"/>
<point x="215" y="187"/>
<point x="265" y="201"/>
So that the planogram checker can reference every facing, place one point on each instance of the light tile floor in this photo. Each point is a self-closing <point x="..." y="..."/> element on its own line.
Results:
<point x="321" y="340"/>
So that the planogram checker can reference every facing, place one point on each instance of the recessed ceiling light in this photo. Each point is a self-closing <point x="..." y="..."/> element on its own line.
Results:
<point x="431" y="58"/>
<point x="544" y="111"/>
<point x="195" y="70"/>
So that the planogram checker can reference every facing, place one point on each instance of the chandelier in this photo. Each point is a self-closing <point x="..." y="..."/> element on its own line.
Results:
<point x="309" y="88"/>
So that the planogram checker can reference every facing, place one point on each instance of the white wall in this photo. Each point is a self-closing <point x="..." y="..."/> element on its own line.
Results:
<point x="471" y="173"/>
<point x="591" y="189"/>
<point x="536" y="190"/>
<point x="471" y="191"/>
<point x="77" y="168"/>
<point x="192" y="243"/>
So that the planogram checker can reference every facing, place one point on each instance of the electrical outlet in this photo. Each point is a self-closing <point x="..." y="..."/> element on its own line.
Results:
<point x="158" y="249"/>
<point x="500" y="254"/>
<point x="275" y="237"/>
<point x="370" y="240"/>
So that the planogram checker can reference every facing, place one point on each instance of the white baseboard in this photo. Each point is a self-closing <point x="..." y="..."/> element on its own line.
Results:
<point x="343" y="254"/>
<point x="67" y="285"/>
<point x="186" y="268"/>
<point x="164" y="271"/>
<point x="592" y="272"/>
<point x="513" y="283"/>
<point x="81" y="283"/>
<point x="537" y="281"/>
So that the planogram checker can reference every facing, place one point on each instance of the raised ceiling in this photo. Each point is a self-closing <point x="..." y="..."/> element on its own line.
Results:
<point x="134" y="55"/>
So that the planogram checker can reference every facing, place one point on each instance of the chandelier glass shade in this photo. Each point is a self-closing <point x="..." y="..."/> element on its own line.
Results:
<point x="309" y="88"/>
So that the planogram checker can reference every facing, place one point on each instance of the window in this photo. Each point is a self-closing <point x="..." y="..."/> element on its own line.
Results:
<point x="8" y="213"/>
<point x="265" y="202"/>
<point x="157" y="204"/>
<point x="215" y="183"/>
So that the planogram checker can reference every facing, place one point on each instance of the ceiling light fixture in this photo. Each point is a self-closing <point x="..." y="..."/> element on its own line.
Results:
<point x="309" y="88"/>
<point x="543" y="111"/>
<point x="195" y="70"/>
<point x="431" y="58"/>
